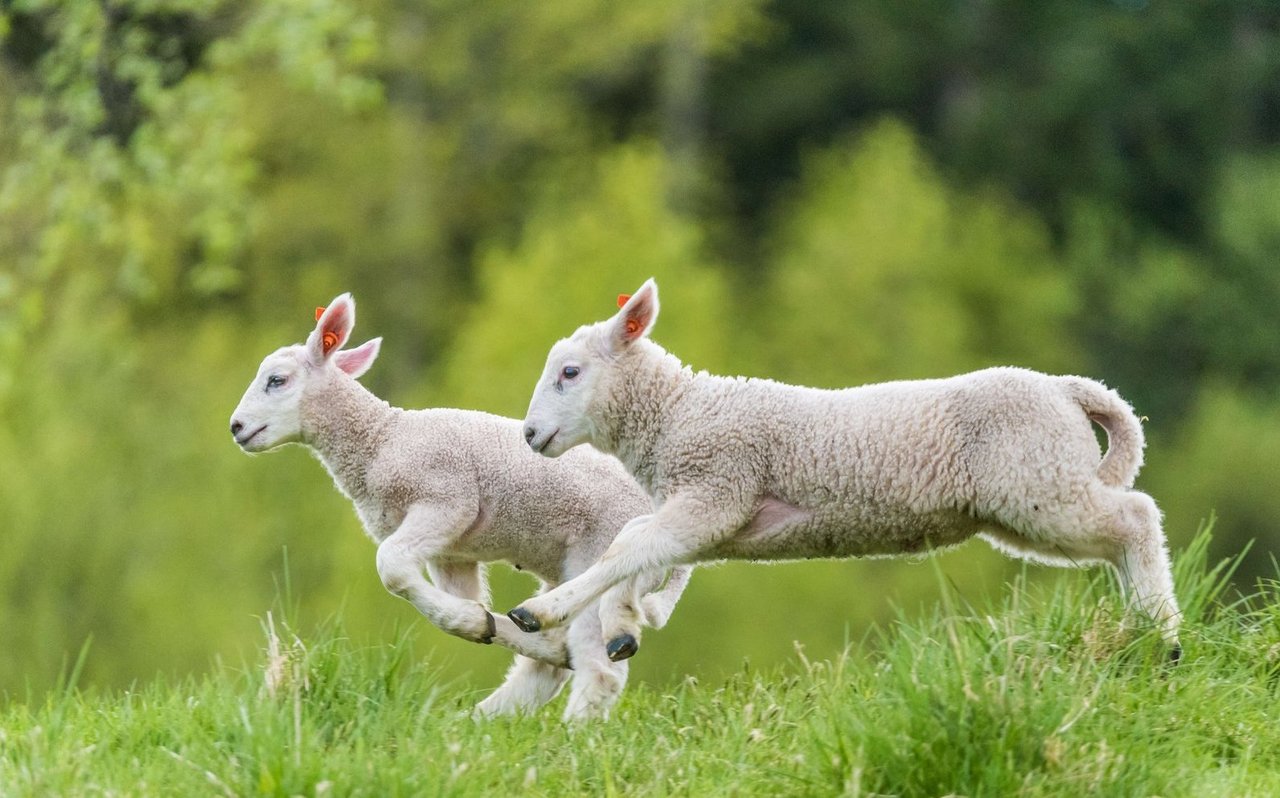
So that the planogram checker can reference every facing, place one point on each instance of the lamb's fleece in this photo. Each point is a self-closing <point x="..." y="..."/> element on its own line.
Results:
<point x="442" y="490"/>
<point x="755" y="469"/>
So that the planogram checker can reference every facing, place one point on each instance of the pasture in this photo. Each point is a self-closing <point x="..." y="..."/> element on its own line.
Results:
<point x="1034" y="694"/>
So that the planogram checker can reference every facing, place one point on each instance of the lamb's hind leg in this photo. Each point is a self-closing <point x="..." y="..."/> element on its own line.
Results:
<point x="1142" y="562"/>
<point x="619" y="609"/>
<point x="620" y="619"/>
<point x="1116" y="526"/>
<point x="597" y="681"/>
<point x="646" y="600"/>
<point x="529" y="685"/>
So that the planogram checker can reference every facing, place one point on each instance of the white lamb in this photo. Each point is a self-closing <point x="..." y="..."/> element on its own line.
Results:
<point x="757" y="470"/>
<point x="444" y="490"/>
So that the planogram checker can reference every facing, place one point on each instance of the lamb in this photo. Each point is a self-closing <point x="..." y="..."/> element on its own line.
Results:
<point x="755" y="469"/>
<point x="445" y="490"/>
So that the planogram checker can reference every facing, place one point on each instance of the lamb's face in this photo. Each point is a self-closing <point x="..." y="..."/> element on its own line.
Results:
<point x="558" y="417"/>
<point x="269" y="414"/>
<point x="577" y="370"/>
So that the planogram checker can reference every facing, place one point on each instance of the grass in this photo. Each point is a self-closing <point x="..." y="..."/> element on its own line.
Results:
<point x="1041" y="694"/>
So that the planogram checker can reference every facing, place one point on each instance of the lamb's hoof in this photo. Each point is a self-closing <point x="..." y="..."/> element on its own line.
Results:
<point x="524" y="619"/>
<point x="622" y="647"/>
<point x="1175" y="654"/>
<point x="491" y="629"/>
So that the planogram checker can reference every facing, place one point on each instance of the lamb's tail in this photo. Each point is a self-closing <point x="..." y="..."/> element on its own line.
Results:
<point x="1125" y="440"/>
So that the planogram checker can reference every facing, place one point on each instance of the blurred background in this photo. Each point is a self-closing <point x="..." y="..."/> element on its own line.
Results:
<point x="828" y="192"/>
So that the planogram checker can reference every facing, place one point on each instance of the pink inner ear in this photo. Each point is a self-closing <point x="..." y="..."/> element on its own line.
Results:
<point x="357" y="361"/>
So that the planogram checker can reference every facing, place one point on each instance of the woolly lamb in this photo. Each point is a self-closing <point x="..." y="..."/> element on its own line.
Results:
<point x="756" y="470"/>
<point x="444" y="490"/>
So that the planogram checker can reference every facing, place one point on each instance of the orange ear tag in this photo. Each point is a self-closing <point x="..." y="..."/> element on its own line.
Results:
<point x="623" y="299"/>
<point x="329" y="338"/>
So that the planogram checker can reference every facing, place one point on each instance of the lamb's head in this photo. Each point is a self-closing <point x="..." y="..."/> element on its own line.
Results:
<point x="579" y="372"/>
<point x="270" y="413"/>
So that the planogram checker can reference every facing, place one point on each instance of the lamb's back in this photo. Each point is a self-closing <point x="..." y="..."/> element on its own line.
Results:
<point x="896" y="443"/>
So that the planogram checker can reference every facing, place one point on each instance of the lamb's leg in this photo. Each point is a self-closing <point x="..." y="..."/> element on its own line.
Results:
<point x="658" y="605"/>
<point x="466" y="580"/>
<point x="1116" y="526"/>
<point x="685" y="526"/>
<point x="1143" y="566"/>
<point x="529" y="685"/>
<point x="403" y="557"/>
<point x="597" y="682"/>
<point x="646" y="600"/>
<point x="620" y="619"/>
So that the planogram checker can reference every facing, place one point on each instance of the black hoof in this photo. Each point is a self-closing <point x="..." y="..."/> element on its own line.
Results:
<point x="491" y="631"/>
<point x="1175" y="654"/>
<point x="622" y="647"/>
<point x="524" y="619"/>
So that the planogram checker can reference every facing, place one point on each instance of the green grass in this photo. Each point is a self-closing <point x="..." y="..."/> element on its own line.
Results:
<point x="1037" y="695"/>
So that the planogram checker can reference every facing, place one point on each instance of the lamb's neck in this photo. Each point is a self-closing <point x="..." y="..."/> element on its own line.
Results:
<point x="346" y="425"/>
<point x="641" y="410"/>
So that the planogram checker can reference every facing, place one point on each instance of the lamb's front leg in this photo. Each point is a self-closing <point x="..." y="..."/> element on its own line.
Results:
<point x="421" y="538"/>
<point x="682" y="529"/>
<point x="466" y="580"/>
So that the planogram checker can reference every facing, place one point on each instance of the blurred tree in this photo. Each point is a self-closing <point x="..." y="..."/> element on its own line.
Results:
<point x="1168" y="316"/>
<point x="882" y="271"/>
<point x="597" y="232"/>
<point x="1222" y="460"/>
<point x="1134" y="101"/>
<point x="124" y="125"/>
<point x="483" y="100"/>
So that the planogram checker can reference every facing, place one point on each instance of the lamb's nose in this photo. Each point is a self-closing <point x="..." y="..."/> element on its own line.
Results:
<point x="236" y="426"/>
<point x="529" y="432"/>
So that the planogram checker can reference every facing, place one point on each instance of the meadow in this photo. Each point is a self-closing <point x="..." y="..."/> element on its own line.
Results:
<point x="1037" y="693"/>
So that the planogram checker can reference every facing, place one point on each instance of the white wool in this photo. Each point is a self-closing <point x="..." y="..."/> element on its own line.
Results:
<point x="755" y="469"/>
<point x="443" y="490"/>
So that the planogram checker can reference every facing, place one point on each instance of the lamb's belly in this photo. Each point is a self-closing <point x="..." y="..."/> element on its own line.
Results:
<point x="818" y="537"/>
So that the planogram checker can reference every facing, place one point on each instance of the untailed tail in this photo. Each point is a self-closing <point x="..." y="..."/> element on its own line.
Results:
<point x="1125" y="440"/>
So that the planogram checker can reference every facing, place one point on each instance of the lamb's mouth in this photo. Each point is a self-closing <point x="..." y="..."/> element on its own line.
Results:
<point x="542" y="447"/>
<point x="245" y="440"/>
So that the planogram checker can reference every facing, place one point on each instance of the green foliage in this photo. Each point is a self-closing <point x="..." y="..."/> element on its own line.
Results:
<point x="889" y="273"/>
<point x="1232" y="440"/>
<point x="1037" y="694"/>
<point x="1133" y="102"/>
<point x="1165" y="315"/>
<point x="129" y="149"/>
<point x="596" y="235"/>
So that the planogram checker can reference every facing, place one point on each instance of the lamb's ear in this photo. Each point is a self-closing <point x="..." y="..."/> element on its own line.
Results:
<point x="333" y="328"/>
<point x="357" y="361"/>
<point x="636" y="318"/>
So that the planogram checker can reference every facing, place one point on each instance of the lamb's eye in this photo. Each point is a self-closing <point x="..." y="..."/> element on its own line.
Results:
<point x="275" y="381"/>
<point x="569" y="372"/>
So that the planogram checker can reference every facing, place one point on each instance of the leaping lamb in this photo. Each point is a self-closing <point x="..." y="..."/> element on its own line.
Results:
<point x="753" y="469"/>
<point x="444" y="490"/>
